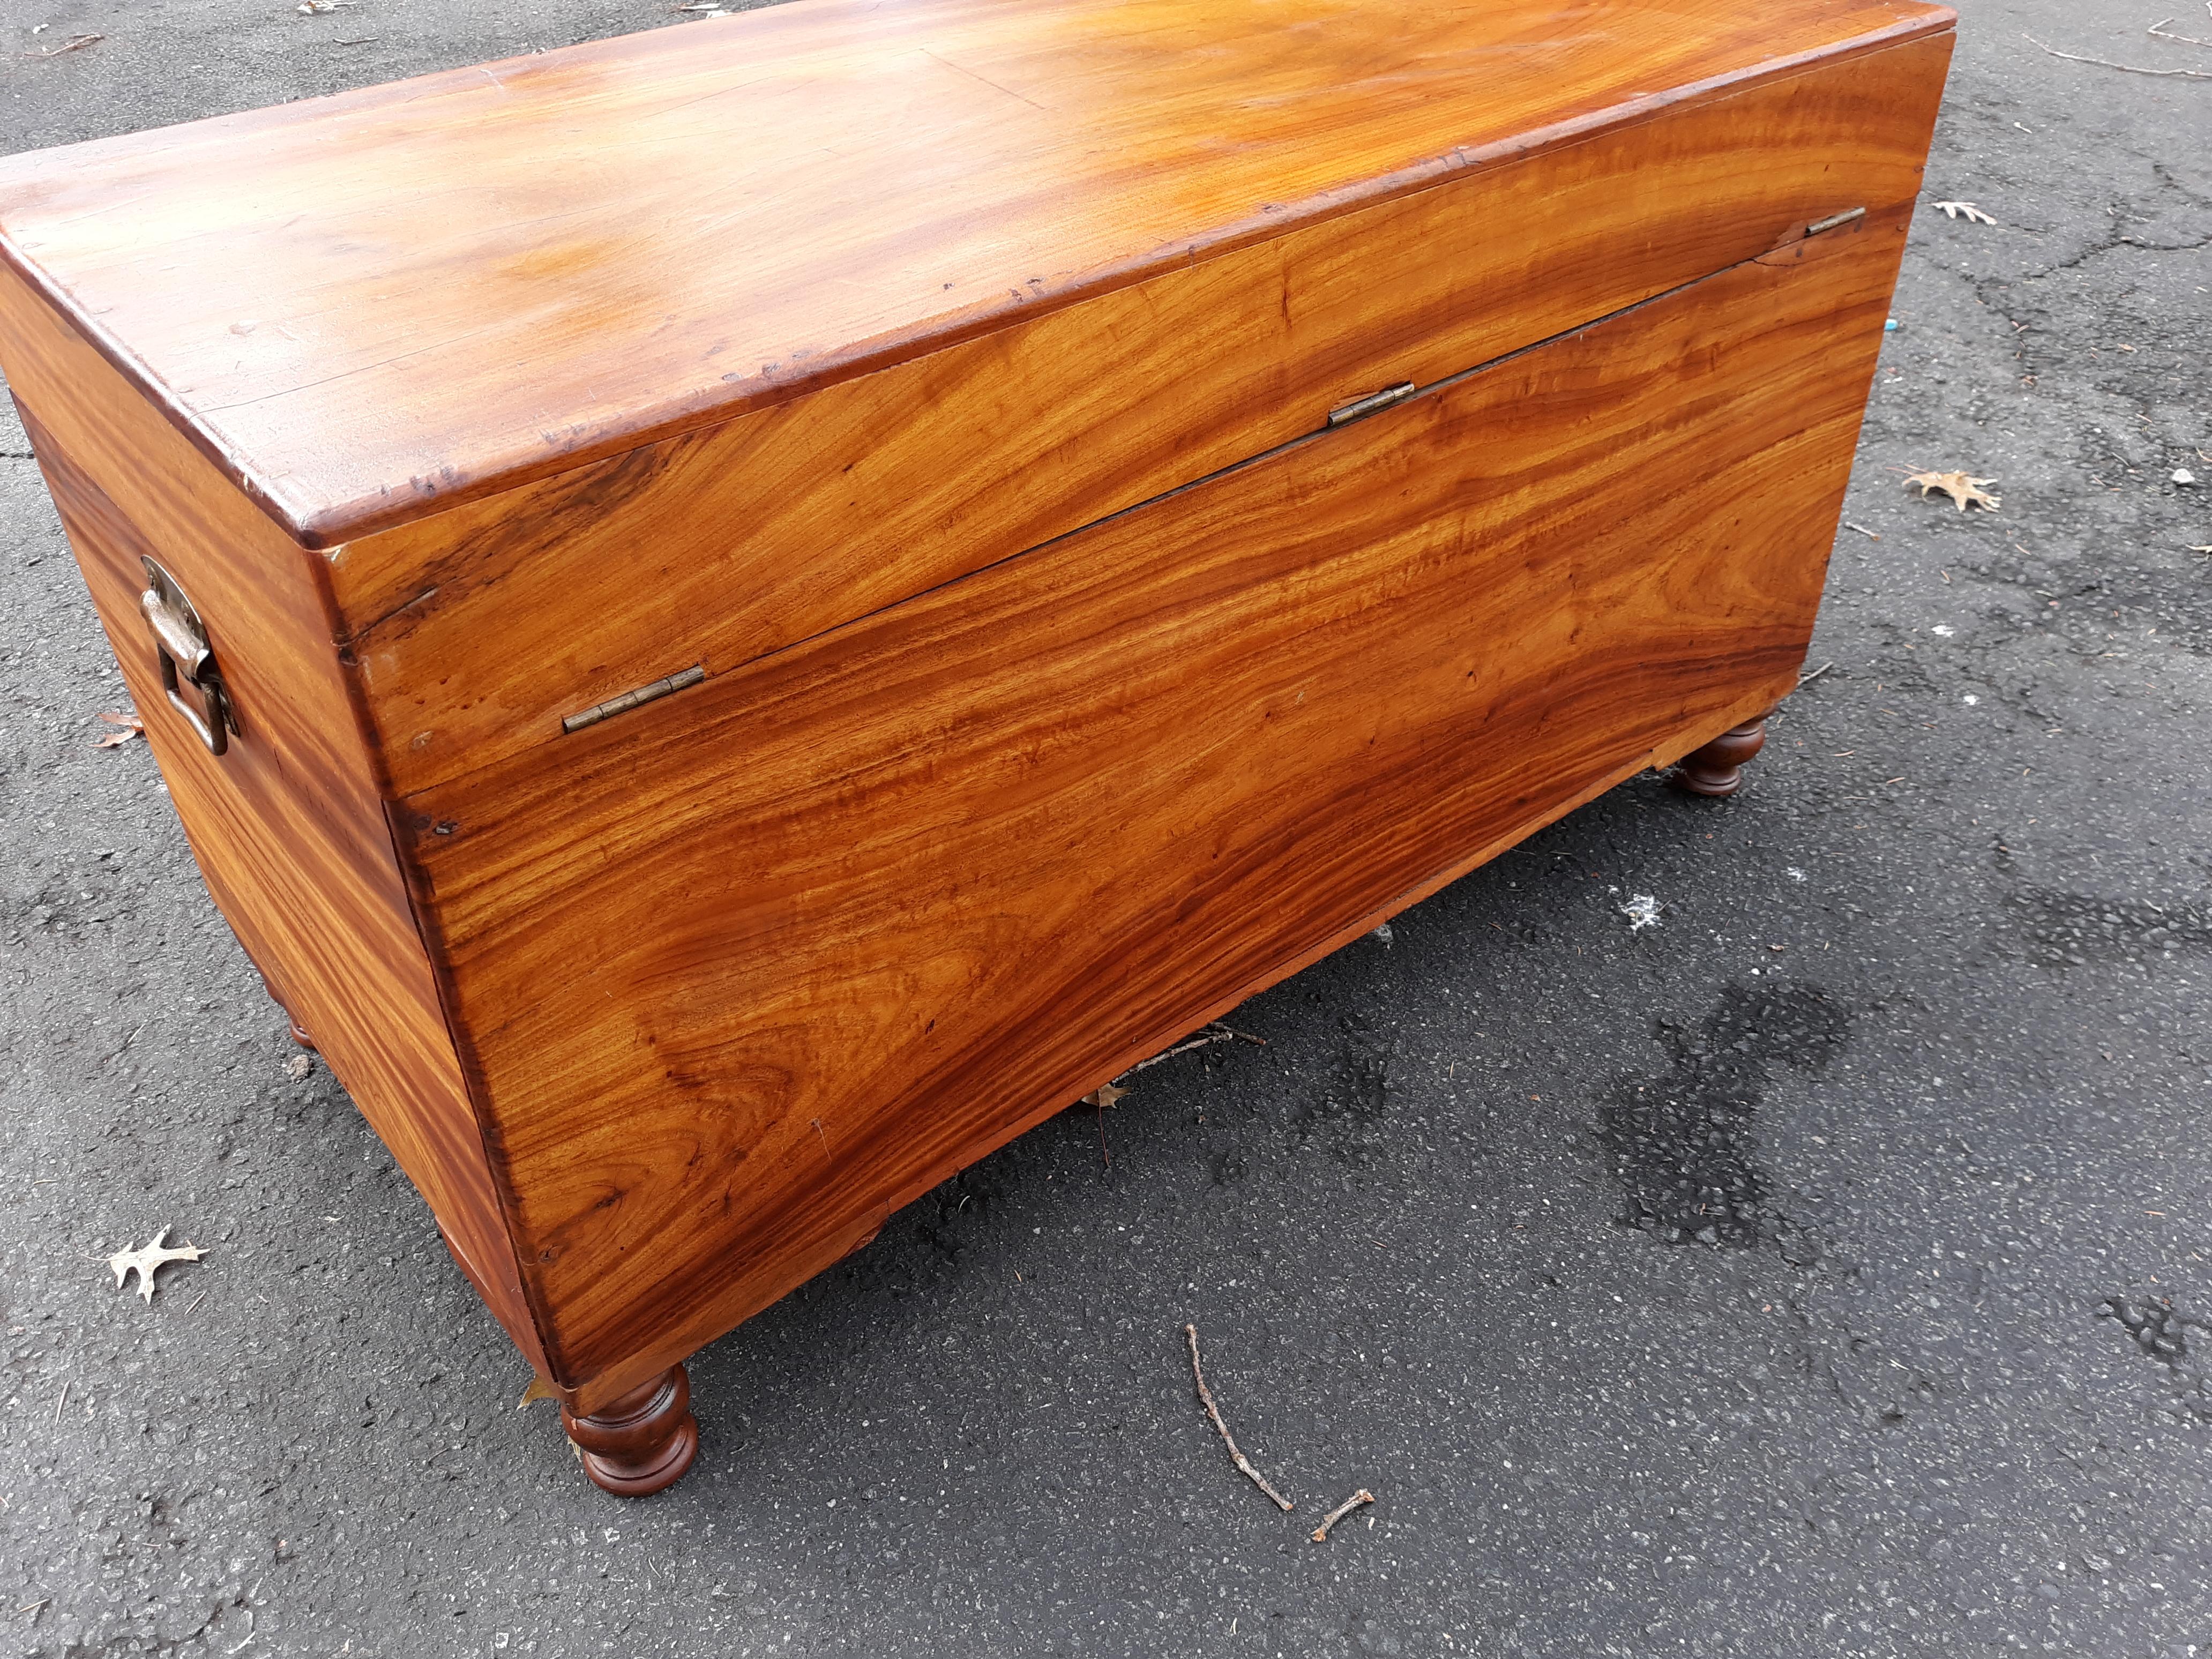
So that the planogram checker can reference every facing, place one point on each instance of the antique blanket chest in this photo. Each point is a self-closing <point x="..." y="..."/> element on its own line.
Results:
<point x="737" y="615"/>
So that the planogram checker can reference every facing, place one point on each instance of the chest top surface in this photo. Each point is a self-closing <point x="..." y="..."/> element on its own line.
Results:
<point x="369" y="306"/>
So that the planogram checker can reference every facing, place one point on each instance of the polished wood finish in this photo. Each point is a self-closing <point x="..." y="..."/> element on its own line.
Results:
<point x="1717" y="767"/>
<point x="288" y="826"/>
<point x="364" y="305"/>
<point x="985" y="849"/>
<point x="476" y="630"/>
<point x="639" y="1442"/>
<point x="1064" y="677"/>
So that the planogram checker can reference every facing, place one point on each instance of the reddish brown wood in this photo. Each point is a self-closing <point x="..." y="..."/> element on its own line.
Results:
<point x="368" y="306"/>
<point x="288" y="826"/>
<point x="642" y="1442"/>
<point x="1009" y="838"/>
<point x="476" y="630"/>
<point x="1716" y="769"/>
<point x="1054" y="671"/>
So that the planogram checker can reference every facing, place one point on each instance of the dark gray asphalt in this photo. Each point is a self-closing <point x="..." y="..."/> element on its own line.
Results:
<point x="1928" y="1002"/>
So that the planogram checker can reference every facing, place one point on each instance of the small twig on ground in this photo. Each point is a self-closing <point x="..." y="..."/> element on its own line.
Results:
<point x="2106" y="63"/>
<point x="1804" y="680"/>
<point x="1871" y="535"/>
<point x="76" y="43"/>
<point x="2160" y="29"/>
<point x="1205" y="1399"/>
<point x="1107" y="1093"/>
<point x="1213" y="1034"/>
<point x="61" y="1403"/>
<point x="1363" y="1496"/>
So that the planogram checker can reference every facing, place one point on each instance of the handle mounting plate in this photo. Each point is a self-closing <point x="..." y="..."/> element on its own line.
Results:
<point x="189" y="675"/>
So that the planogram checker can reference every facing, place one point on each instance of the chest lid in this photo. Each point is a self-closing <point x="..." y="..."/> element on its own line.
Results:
<point x="368" y="306"/>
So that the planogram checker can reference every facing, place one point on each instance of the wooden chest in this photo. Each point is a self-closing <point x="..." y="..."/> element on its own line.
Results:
<point x="737" y="615"/>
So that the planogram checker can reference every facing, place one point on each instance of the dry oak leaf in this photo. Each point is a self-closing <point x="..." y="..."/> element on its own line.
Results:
<point x="1103" y="1096"/>
<point x="1958" y="486"/>
<point x="1972" y="215"/>
<point x="149" y="1260"/>
<point x="127" y="725"/>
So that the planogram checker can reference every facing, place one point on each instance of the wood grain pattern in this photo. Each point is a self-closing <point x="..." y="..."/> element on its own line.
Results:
<point x="363" y="305"/>
<point x="942" y="377"/>
<point x="757" y="963"/>
<point x="477" y="630"/>
<point x="288" y="826"/>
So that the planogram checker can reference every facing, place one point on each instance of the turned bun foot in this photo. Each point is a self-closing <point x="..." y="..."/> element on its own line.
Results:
<point x="299" y="1031"/>
<point x="1718" y="769"/>
<point x="642" y="1442"/>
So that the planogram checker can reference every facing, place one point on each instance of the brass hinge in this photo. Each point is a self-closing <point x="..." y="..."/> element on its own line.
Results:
<point x="189" y="675"/>
<point x="1373" y="404"/>
<point x="1798" y="244"/>
<point x="629" y="700"/>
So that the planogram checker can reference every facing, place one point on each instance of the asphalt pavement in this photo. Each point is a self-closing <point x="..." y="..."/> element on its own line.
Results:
<point x="1927" y="1004"/>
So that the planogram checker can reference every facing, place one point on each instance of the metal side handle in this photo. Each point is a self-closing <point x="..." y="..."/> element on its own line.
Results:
<point x="189" y="674"/>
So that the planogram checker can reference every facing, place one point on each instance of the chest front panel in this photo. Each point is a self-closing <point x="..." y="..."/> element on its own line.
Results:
<point x="763" y="960"/>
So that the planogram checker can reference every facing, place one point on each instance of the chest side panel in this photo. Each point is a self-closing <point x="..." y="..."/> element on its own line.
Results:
<point x="288" y="826"/>
<point x="479" y="630"/>
<point x="755" y="963"/>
